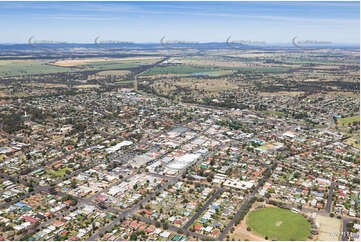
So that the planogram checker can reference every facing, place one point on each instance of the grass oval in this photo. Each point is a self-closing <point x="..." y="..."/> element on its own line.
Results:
<point x="279" y="224"/>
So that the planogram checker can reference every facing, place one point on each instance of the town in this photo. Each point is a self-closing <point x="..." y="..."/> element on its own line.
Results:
<point x="179" y="121"/>
<point x="128" y="165"/>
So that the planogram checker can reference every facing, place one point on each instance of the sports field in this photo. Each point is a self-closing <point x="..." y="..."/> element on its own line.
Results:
<point x="279" y="224"/>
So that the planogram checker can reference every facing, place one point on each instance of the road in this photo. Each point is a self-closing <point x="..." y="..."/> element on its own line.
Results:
<point x="329" y="198"/>
<point x="131" y="211"/>
<point x="200" y="211"/>
<point x="224" y="233"/>
<point x="170" y="181"/>
<point x="176" y="229"/>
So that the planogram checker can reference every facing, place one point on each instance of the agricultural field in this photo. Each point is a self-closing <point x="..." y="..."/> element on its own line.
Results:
<point x="114" y="72"/>
<point x="279" y="224"/>
<point x="241" y="64"/>
<point x="85" y="86"/>
<point x="35" y="67"/>
<point x="18" y="68"/>
<point x="91" y="61"/>
<point x="182" y="69"/>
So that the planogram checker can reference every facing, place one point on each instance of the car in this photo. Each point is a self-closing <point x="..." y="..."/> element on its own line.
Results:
<point x="295" y="210"/>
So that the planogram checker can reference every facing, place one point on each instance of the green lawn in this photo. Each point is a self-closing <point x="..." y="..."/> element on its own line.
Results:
<point x="279" y="224"/>
<point x="60" y="172"/>
<point x="346" y="121"/>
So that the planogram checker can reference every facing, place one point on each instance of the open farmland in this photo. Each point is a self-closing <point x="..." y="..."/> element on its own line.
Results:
<point x="10" y="68"/>
<point x="90" y="61"/>
<point x="181" y="69"/>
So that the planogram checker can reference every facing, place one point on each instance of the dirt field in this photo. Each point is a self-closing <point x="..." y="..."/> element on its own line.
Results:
<point x="76" y="62"/>
<point x="5" y="62"/>
<point x="113" y="72"/>
<point x="212" y="85"/>
<point x="328" y="227"/>
<point x="222" y="63"/>
<point x="240" y="233"/>
<point x="87" y="86"/>
<point x="280" y="93"/>
<point x="347" y="94"/>
<point x="45" y="85"/>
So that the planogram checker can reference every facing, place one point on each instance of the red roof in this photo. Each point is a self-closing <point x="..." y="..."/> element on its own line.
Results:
<point x="30" y="219"/>
<point x="177" y="221"/>
<point x="148" y="212"/>
<point x="68" y="202"/>
<point x="134" y="225"/>
<point x="150" y="229"/>
<point x="58" y="223"/>
<point x="101" y="198"/>
<point x="197" y="227"/>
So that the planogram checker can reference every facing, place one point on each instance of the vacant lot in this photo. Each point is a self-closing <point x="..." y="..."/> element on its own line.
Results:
<point x="279" y="224"/>
<point x="329" y="228"/>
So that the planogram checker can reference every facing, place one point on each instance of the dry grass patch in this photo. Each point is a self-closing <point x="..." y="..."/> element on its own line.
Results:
<point x="45" y="85"/>
<point x="113" y="72"/>
<point x="87" y="86"/>
<point x="281" y="93"/>
<point x="328" y="227"/>
<point x="77" y="62"/>
<point x="211" y="85"/>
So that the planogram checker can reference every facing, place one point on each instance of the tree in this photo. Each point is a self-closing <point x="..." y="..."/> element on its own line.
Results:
<point x="133" y="236"/>
<point x="165" y="226"/>
<point x="73" y="183"/>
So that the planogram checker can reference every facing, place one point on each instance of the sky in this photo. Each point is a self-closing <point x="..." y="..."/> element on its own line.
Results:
<point x="144" y="22"/>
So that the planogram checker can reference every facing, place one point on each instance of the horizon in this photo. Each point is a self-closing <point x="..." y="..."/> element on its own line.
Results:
<point x="206" y="22"/>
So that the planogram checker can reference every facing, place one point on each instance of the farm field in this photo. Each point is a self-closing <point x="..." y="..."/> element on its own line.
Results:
<point x="177" y="69"/>
<point x="115" y="72"/>
<point x="279" y="224"/>
<point x="241" y="64"/>
<point x="23" y="68"/>
<point x="82" y="62"/>
<point x="110" y="65"/>
<point x="15" y="68"/>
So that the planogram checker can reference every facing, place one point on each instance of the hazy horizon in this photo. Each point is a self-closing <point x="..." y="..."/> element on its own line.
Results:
<point x="148" y="22"/>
